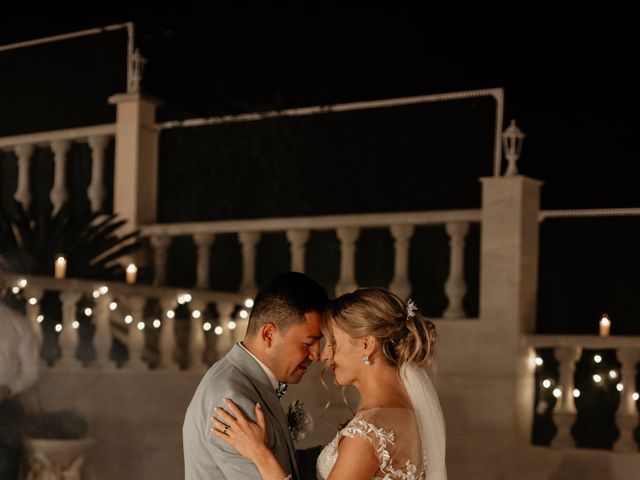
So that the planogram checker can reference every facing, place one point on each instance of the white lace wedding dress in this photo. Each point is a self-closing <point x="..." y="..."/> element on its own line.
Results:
<point x="394" y="435"/>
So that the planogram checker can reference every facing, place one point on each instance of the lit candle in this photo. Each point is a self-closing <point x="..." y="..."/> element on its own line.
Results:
<point x="132" y="273"/>
<point x="60" y="267"/>
<point x="605" y="326"/>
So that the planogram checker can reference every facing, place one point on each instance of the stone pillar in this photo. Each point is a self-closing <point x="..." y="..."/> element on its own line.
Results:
<point x="136" y="159"/>
<point x="297" y="242"/>
<point x="23" y="193"/>
<point x="59" y="193"/>
<point x="96" y="190"/>
<point x="400" y="284"/>
<point x="455" y="287"/>
<point x="564" y="413"/>
<point x="347" y="281"/>
<point x="249" y="241"/>
<point x="203" y="243"/>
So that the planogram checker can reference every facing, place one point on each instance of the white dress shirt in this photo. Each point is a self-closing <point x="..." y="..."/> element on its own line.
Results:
<point x="19" y="352"/>
<point x="267" y="370"/>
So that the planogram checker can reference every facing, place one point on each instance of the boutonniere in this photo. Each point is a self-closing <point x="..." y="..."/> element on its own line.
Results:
<point x="300" y="423"/>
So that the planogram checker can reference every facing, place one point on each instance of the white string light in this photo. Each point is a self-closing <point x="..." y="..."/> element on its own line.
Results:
<point x="248" y="303"/>
<point x="113" y="306"/>
<point x="88" y="312"/>
<point x="171" y="314"/>
<point x="96" y="294"/>
<point x="218" y="330"/>
<point x="33" y="301"/>
<point x="576" y="393"/>
<point x="232" y="325"/>
<point x="620" y="387"/>
<point x="196" y="314"/>
<point x="128" y="319"/>
<point x="557" y="392"/>
<point x="206" y="326"/>
<point x="75" y="324"/>
<point x="546" y="383"/>
<point x="635" y="396"/>
<point x="15" y="290"/>
<point x="103" y="290"/>
<point x="156" y="323"/>
<point x="597" y="378"/>
<point x="597" y="358"/>
<point x="244" y="314"/>
<point x="539" y="361"/>
<point x="22" y="282"/>
<point x="140" y="325"/>
<point x="58" y="327"/>
<point x="613" y="374"/>
<point x="40" y="318"/>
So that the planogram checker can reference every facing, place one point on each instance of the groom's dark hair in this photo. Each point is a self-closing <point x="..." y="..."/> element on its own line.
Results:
<point x="284" y="301"/>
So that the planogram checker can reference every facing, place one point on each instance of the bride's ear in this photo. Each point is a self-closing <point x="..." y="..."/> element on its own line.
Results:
<point x="369" y="345"/>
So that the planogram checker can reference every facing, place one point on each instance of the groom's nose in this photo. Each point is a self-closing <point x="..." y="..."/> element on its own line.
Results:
<point x="314" y="352"/>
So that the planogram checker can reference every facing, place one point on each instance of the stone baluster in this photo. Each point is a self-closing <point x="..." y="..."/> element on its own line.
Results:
<point x="33" y="309"/>
<point x="400" y="284"/>
<point x="455" y="286"/>
<point x="348" y="237"/>
<point x="227" y="339"/>
<point x="136" y="335"/>
<point x="96" y="191"/>
<point x="102" y="337"/>
<point x="197" y="342"/>
<point x="627" y="414"/>
<point x="68" y="336"/>
<point x="564" y="413"/>
<point x="23" y="193"/>
<point x="249" y="241"/>
<point x="160" y="245"/>
<point x="203" y="241"/>
<point x="167" y="343"/>
<point x="59" y="193"/>
<point x="297" y="242"/>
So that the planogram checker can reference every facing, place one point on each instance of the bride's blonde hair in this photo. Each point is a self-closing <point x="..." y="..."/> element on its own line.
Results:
<point x="405" y="335"/>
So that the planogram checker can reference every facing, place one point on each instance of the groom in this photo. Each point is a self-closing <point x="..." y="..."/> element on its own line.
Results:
<point x="282" y="340"/>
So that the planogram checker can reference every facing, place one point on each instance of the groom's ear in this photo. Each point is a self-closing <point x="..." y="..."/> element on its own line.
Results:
<point x="267" y="333"/>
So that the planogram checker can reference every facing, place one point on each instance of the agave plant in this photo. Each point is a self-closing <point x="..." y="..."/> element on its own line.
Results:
<point x="90" y="242"/>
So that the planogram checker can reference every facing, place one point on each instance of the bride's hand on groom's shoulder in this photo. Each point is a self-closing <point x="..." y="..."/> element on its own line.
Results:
<point x="247" y="437"/>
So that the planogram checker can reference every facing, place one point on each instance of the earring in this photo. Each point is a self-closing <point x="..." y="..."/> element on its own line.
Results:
<point x="365" y="360"/>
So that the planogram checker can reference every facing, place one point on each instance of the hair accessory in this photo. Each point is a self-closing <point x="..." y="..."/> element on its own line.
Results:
<point x="412" y="308"/>
<point x="366" y="360"/>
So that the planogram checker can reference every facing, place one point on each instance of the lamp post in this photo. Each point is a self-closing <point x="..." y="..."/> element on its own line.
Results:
<point x="512" y="139"/>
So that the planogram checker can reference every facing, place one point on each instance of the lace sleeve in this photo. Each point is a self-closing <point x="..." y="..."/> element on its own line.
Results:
<point x="381" y="440"/>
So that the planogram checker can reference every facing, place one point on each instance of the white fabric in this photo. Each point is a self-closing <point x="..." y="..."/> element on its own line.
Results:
<point x="399" y="454"/>
<point x="409" y="445"/>
<point x="430" y="419"/>
<point x="270" y="375"/>
<point x="18" y="351"/>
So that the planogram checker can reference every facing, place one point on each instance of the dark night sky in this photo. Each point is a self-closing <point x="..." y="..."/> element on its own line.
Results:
<point x="569" y="77"/>
<point x="570" y="80"/>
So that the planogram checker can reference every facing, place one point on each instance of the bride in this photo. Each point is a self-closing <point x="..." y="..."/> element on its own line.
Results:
<point x="382" y="346"/>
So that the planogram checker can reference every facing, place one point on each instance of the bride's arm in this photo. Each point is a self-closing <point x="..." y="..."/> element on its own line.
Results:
<point x="248" y="438"/>
<point x="356" y="460"/>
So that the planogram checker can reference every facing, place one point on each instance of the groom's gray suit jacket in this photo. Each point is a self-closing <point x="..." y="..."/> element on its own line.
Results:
<point x="239" y="377"/>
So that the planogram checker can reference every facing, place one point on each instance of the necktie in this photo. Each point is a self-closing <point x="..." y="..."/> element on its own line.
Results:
<point x="281" y="390"/>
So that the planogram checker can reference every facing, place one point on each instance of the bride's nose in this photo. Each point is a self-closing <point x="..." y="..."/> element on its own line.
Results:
<point x="327" y="353"/>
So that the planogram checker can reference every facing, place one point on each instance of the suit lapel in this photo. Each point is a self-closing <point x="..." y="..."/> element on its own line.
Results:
<point x="254" y="372"/>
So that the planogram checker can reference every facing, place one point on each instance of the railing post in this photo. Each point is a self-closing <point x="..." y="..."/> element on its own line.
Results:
<point x="33" y="309"/>
<point x="197" y="343"/>
<point x="23" y="194"/>
<point x="103" y="337"/>
<point x="455" y="287"/>
<point x="400" y="284"/>
<point x="627" y="414"/>
<point x="297" y="241"/>
<point x="96" y="190"/>
<point x="167" y="335"/>
<point x="227" y="339"/>
<point x="248" y="241"/>
<point x="136" y="336"/>
<point x="160" y="245"/>
<point x="69" y="335"/>
<point x="59" y="193"/>
<point x="135" y="180"/>
<point x="564" y="413"/>
<point x="203" y="242"/>
<point x="348" y="237"/>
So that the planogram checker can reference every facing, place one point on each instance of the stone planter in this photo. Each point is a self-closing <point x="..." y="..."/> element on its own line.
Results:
<point x="55" y="459"/>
